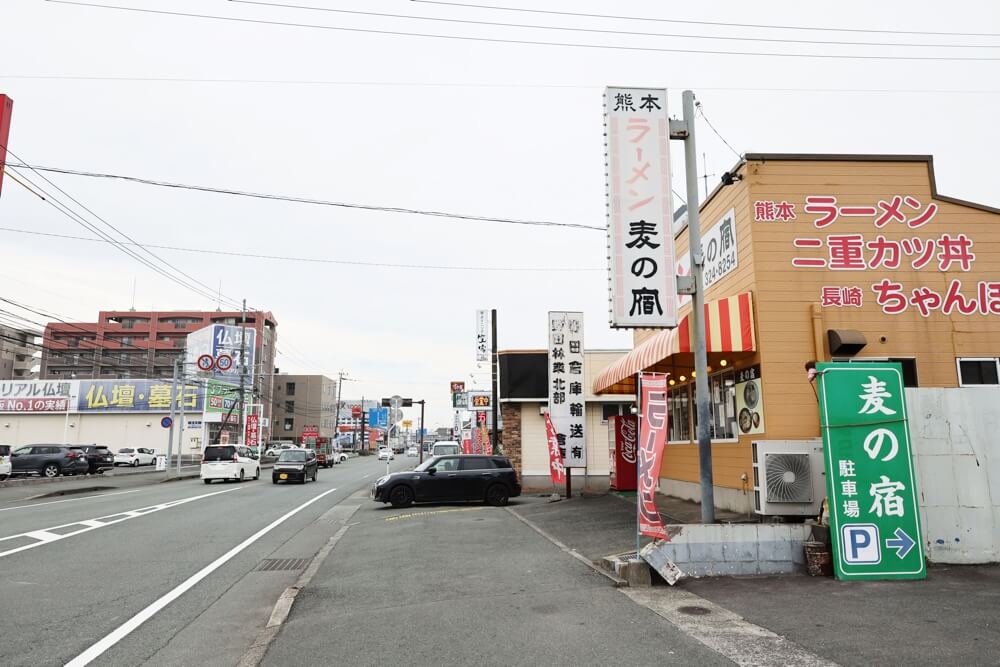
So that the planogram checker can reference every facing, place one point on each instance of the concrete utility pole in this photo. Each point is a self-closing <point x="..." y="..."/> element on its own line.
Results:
<point x="698" y="314"/>
<point x="173" y="413"/>
<point x="180" y="417"/>
<point x="421" y="435"/>
<point x="243" y="371"/>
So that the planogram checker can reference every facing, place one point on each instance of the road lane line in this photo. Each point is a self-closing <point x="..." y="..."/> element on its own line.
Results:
<point x="66" y="500"/>
<point x="126" y="628"/>
<point x="43" y="536"/>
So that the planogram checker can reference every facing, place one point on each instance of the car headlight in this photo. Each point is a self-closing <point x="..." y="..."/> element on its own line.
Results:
<point x="381" y="480"/>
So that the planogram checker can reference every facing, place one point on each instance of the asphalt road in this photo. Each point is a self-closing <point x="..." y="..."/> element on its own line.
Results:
<point x="140" y="581"/>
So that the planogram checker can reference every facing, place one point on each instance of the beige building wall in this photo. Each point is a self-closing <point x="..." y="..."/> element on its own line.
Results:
<point x="115" y="430"/>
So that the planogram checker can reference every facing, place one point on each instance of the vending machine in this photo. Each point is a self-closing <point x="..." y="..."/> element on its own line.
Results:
<point x="623" y="441"/>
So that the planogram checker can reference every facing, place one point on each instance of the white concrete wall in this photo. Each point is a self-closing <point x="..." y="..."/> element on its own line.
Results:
<point x="535" y="451"/>
<point x="956" y="444"/>
<point x="115" y="430"/>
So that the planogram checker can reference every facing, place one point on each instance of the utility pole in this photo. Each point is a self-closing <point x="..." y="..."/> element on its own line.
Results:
<point x="493" y="370"/>
<point x="361" y="432"/>
<point x="243" y="371"/>
<point x="698" y="313"/>
<point x="180" y="417"/>
<point x="420" y="446"/>
<point x="173" y="412"/>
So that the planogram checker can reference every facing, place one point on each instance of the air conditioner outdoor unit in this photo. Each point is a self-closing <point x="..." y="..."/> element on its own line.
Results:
<point x="789" y="478"/>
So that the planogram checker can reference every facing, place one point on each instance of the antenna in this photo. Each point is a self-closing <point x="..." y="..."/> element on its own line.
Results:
<point x="218" y="303"/>
<point x="705" y="175"/>
<point x="132" y="308"/>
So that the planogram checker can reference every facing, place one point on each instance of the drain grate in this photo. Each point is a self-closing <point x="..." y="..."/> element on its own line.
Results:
<point x="694" y="610"/>
<point x="275" y="564"/>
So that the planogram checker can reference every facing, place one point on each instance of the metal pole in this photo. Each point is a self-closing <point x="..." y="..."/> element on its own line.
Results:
<point x="243" y="371"/>
<point x="180" y="416"/>
<point x="173" y="413"/>
<point x="336" y="414"/>
<point x="493" y="369"/>
<point x="638" y="470"/>
<point x="66" y="424"/>
<point x="361" y="431"/>
<point x="698" y="314"/>
<point x="421" y="447"/>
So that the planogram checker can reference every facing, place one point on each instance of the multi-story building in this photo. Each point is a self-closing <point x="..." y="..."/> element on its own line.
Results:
<point x="300" y="401"/>
<point x="133" y="344"/>
<point x="17" y="353"/>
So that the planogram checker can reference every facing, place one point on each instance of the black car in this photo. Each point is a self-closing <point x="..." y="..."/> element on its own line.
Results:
<point x="295" y="465"/>
<point x="99" y="458"/>
<point x="49" y="460"/>
<point x="451" y="478"/>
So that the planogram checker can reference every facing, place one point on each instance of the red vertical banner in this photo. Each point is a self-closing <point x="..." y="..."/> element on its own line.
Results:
<point x="252" y="430"/>
<point x="652" y="437"/>
<point x="6" y="109"/>
<point x="556" y="468"/>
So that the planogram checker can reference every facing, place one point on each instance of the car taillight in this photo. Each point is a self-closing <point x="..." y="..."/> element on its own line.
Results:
<point x="72" y="455"/>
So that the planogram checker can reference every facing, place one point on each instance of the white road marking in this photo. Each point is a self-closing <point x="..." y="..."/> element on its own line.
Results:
<point x="126" y="628"/>
<point x="66" y="500"/>
<point x="366" y="476"/>
<point x="44" y="536"/>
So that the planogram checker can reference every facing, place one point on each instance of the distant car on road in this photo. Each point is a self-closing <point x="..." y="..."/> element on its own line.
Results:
<point x="49" y="460"/>
<point x="446" y="448"/>
<point x="5" y="467"/>
<point x="295" y="464"/>
<point x="135" y="456"/>
<point x="225" y="462"/>
<point x="274" y="450"/>
<point x="99" y="458"/>
<point x="450" y="478"/>
<point x="412" y="451"/>
<point x="386" y="455"/>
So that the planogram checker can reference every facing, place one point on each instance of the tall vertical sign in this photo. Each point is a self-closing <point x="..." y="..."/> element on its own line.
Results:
<point x="483" y="335"/>
<point x="643" y="282"/>
<point x="567" y="404"/>
<point x="871" y="488"/>
<point x="252" y="431"/>
<point x="6" y="110"/>
<point x="652" y="438"/>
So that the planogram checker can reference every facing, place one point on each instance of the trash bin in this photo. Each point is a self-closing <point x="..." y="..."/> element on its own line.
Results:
<point x="819" y="560"/>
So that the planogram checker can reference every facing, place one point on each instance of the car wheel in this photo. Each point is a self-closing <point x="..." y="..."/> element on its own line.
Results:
<point x="274" y="480"/>
<point x="315" y="472"/>
<point x="3" y="477"/>
<point x="401" y="496"/>
<point x="135" y="464"/>
<point x="207" y="481"/>
<point x="257" y="475"/>
<point x="50" y="470"/>
<point x="240" y="480"/>
<point x="497" y="495"/>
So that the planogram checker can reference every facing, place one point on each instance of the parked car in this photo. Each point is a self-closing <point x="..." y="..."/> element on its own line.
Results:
<point x="135" y="456"/>
<point x="225" y="462"/>
<point x="295" y="465"/>
<point x="49" y="460"/>
<point x="386" y="455"/>
<point x="451" y="478"/>
<point x="446" y="448"/>
<point x="5" y="467"/>
<point x="412" y="451"/>
<point x="99" y="458"/>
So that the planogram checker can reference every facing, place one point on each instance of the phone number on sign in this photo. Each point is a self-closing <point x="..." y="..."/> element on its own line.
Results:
<point x="719" y="269"/>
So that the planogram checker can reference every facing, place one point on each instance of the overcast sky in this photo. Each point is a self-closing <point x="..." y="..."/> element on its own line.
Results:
<point x="466" y="126"/>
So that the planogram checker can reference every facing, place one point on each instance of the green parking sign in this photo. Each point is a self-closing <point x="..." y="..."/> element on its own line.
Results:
<point x="871" y="488"/>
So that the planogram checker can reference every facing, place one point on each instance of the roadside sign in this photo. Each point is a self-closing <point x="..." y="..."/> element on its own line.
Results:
<point x="161" y="462"/>
<point x="356" y="412"/>
<point x="166" y="422"/>
<point x="407" y="424"/>
<point x="479" y="400"/>
<point x="871" y="487"/>
<point x="378" y="417"/>
<point x="206" y="362"/>
<point x="224" y="362"/>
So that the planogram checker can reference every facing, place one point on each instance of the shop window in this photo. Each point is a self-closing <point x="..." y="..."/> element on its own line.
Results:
<point x="679" y="405"/>
<point x="722" y="406"/>
<point x="978" y="371"/>
<point x="613" y="410"/>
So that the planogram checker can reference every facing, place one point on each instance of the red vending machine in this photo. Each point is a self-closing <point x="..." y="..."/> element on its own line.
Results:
<point x="623" y="441"/>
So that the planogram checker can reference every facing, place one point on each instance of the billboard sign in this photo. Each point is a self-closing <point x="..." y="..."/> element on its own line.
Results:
<point x="871" y="486"/>
<point x="137" y="396"/>
<point x="253" y="431"/>
<point x="222" y="397"/>
<point x="483" y="330"/>
<point x="479" y="400"/>
<point x="643" y="283"/>
<point x="719" y="248"/>
<point x="457" y="386"/>
<point x="222" y="342"/>
<point x="378" y="418"/>
<point x="567" y="404"/>
<point x="38" y="395"/>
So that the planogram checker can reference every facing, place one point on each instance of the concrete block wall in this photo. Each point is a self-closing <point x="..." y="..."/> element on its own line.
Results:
<point x="736" y="549"/>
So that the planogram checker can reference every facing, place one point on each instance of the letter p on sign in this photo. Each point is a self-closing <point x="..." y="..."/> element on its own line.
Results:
<point x="860" y="543"/>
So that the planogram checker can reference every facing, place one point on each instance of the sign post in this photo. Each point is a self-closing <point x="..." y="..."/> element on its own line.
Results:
<point x="871" y="487"/>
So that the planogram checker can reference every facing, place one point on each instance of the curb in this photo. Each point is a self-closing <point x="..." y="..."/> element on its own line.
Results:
<point x="614" y="578"/>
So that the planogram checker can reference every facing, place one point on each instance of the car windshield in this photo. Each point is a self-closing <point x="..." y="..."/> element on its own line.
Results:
<point x="292" y="456"/>
<point x="125" y="450"/>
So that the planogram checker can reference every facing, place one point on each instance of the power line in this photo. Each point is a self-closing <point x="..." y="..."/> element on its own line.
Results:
<point x="524" y="42"/>
<point x="306" y="200"/>
<point x="701" y="111"/>
<point x="712" y="23"/>
<point x="631" y="33"/>
<point x="478" y="84"/>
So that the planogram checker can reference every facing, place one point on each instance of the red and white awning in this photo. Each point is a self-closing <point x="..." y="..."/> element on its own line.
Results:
<point x="729" y="327"/>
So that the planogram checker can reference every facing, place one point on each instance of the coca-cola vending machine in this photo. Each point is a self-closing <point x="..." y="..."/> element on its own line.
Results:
<point x="623" y="440"/>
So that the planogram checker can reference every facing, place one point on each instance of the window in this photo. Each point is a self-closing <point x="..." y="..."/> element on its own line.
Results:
<point x="290" y="388"/>
<point x="908" y="364"/>
<point x="722" y="406"/>
<point x="501" y="463"/>
<point x="978" y="371"/>
<point x="679" y="406"/>
<point x="289" y="423"/>
<point x="446" y="465"/>
<point x="476" y="463"/>
<point x="613" y="410"/>
<point x="289" y="406"/>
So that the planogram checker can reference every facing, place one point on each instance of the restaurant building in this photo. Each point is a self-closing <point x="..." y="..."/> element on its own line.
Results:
<point x="818" y="257"/>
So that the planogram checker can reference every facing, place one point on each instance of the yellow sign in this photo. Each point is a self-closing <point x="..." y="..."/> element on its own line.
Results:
<point x="407" y="423"/>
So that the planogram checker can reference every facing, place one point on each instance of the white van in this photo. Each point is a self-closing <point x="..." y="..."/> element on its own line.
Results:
<point x="234" y="462"/>
<point x="446" y="448"/>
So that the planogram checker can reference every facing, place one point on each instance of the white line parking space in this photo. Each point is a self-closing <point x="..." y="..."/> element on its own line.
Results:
<point x="55" y="533"/>
<point x="126" y="628"/>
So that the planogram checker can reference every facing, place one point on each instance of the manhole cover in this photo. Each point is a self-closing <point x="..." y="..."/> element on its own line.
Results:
<point x="275" y="564"/>
<point x="694" y="610"/>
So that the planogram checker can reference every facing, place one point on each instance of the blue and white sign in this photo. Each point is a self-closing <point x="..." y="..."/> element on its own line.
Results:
<point x="378" y="418"/>
<point x="222" y="343"/>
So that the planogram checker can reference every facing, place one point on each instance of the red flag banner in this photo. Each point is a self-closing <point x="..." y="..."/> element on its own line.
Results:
<point x="652" y="437"/>
<point x="556" y="467"/>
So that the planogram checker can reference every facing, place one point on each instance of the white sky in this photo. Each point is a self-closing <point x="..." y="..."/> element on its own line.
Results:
<point x="481" y="128"/>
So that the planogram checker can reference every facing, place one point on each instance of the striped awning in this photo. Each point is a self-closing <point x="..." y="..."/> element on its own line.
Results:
<point x="729" y="327"/>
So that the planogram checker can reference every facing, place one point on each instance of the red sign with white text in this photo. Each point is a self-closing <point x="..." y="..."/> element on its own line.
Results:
<point x="253" y="430"/>
<point x="556" y="468"/>
<point x="652" y="437"/>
